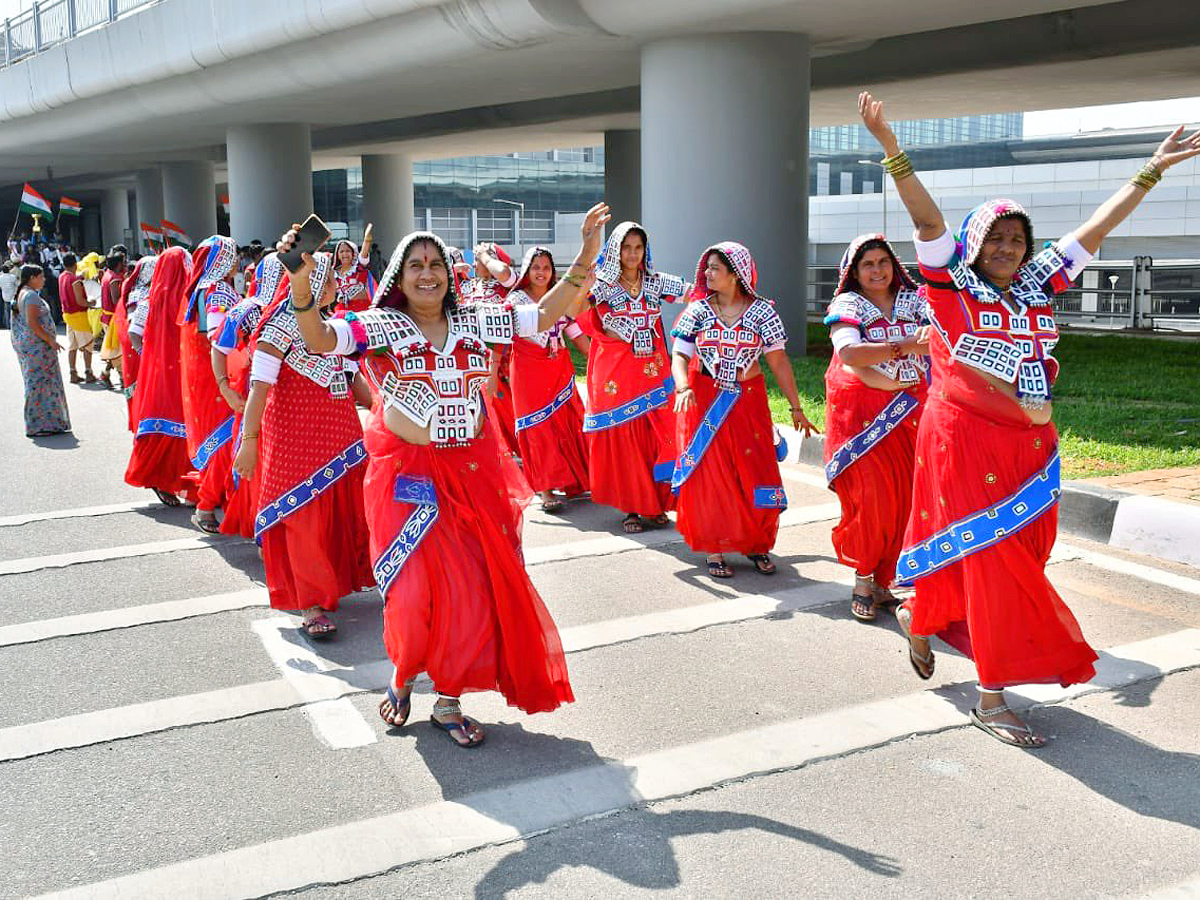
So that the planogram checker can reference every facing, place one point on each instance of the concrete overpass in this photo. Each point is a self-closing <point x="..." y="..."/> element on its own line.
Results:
<point x="709" y="101"/>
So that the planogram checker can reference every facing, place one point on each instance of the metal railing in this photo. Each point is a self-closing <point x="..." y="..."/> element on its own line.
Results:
<point x="51" y="22"/>
<point x="1120" y="295"/>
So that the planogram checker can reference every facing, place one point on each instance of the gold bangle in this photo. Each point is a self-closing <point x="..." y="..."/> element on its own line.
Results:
<point x="898" y="166"/>
<point x="1147" y="177"/>
<point x="250" y="437"/>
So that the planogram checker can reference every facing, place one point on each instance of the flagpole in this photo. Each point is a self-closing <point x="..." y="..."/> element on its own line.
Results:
<point x="15" y="221"/>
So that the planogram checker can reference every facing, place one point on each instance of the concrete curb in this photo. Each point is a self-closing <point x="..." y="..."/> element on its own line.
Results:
<point x="1150" y="525"/>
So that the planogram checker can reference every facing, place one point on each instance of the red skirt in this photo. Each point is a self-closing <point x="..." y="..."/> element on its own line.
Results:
<point x="318" y="553"/>
<point x="875" y="492"/>
<point x="716" y="505"/>
<point x="160" y="461"/>
<point x="241" y="494"/>
<point x="995" y="605"/>
<point x="554" y="454"/>
<point x="204" y="409"/>
<point x="462" y="607"/>
<point x="630" y="465"/>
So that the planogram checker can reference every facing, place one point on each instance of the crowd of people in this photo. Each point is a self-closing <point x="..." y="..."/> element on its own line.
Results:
<point x="244" y="401"/>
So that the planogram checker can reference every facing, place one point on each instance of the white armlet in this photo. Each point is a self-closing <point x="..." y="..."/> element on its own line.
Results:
<point x="573" y="330"/>
<point x="1075" y="253"/>
<point x="511" y="281"/>
<point x="936" y="253"/>
<point x="264" y="367"/>
<point x="345" y="337"/>
<point x="526" y="317"/>
<point x="846" y="336"/>
<point x="684" y="347"/>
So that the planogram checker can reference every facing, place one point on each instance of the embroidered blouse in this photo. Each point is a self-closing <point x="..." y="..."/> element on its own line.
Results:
<point x="729" y="351"/>
<point x="635" y="319"/>
<point x="910" y="310"/>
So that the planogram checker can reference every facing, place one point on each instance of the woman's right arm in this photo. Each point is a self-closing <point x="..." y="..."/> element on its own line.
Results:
<point x="926" y="217"/>
<point x="318" y="336"/>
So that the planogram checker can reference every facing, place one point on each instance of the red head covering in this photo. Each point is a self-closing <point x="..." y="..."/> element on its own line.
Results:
<point x="739" y="259"/>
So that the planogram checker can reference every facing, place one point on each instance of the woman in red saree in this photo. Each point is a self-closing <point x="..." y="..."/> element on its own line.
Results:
<point x="355" y="283"/>
<point x="301" y="426"/>
<point x="547" y="405"/>
<point x="438" y="488"/>
<point x="727" y="477"/>
<point x="206" y="300"/>
<point x="985" y="495"/>
<point x="874" y="387"/>
<point x="629" y="425"/>
<point x="135" y="290"/>
<point x="160" y="459"/>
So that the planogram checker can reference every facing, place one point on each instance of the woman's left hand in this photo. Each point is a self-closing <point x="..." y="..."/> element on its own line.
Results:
<point x="247" y="458"/>
<point x="1175" y="150"/>
<point x="801" y="423"/>
<point x="684" y="400"/>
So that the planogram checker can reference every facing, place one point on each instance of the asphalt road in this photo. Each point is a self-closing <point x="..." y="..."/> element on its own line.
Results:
<point x="165" y="734"/>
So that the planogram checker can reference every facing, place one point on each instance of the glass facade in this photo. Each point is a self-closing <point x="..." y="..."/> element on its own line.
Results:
<point x="919" y="133"/>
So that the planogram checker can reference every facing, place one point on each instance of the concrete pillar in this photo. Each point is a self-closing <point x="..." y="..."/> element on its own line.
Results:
<point x="92" y="239"/>
<point x="388" y="197"/>
<point x="149" y="202"/>
<point x="114" y="216"/>
<point x="270" y="179"/>
<point x="623" y="174"/>
<point x="725" y="157"/>
<point x="190" y="197"/>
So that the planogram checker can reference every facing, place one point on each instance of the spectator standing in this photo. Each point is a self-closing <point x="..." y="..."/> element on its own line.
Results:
<point x="8" y="290"/>
<point x="75" y="315"/>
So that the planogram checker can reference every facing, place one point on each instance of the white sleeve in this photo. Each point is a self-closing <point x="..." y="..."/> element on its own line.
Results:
<point x="936" y="253"/>
<point x="511" y="281"/>
<point x="525" y="317"/>
<point x="844" y="336"/>
<point x="345" y="337"/>
<point x="684" y="346"/>
<point x="141" y="315"/>
<point x="264" y="367"/>
<point x="1075" y="253"/>
<point x="573" y="330"/>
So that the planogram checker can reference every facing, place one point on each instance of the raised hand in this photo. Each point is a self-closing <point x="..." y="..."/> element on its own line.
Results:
<point x="1175" y="149"/>
<point x="871" y="111"/>
<point x="368" y="236"/>
<point x="592" y="230"/>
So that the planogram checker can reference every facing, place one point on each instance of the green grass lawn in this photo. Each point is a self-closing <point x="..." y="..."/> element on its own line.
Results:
<point x="1121" y="403"/>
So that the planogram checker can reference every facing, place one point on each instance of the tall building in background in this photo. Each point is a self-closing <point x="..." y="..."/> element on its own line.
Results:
<point x="919" y="133"/>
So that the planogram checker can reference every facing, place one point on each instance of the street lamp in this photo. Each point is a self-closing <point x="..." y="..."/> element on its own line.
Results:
<point x="520" y="218"/>
<point x="883" y="181"/>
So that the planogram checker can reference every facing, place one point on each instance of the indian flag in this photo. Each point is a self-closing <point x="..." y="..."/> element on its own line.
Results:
<point x="172" y="233"/>
<point x="68" y="207"/>
<point x="152" y="233"/>
<point x="33" y="202"/>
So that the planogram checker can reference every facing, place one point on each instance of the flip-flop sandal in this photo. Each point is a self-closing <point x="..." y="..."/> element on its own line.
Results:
<point x="451" y="727"/>
<point x="915" y="659"/>
<point x="868" y="602"/>
<point x="998" y="729"/>
<point x="633" y="524"/>
<point x="321" y="628"/>
<point x="205" y="524"/>
<point x="762" y="563"/>
<point x="397" y="705"/>
<point x="719" y="569"/>
<point x="660" y="521"/>
<point x="552" y="506"/>
<point x="166" y="498"/>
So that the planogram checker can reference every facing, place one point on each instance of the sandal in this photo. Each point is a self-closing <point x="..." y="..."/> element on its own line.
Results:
<point x="208" y="524"/>
<point x="915" y="659"/>
<point x="884" y="598"/>
<point x="90" y="378"/>
<point x="454" y="729"/>
<point x="718" y="568"/>
<point x="320" y="628"/>
<point x="762" y="563"/>
<point x="1008" y="733"/>
<point x="633" y="524"/>
<point x="863" y="607"/>
<point x="552" y="506"/>
<point x="75" y="379"/>
<point x="660" y="521"/>
<point x="393" y="703"/>
<point x="166" y="497"/>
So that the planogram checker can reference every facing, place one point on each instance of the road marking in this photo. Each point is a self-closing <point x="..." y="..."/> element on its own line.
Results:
<point x="313" y="684"/>
<point x="81" y="512"/>
<point x="1066" y="552"/>
<point x="105" y="554"/>
<point x="1188" y="890"/>
<point x="356" y="850"/>
<point x="130" y="616"/>
<point x="336" y="723"/>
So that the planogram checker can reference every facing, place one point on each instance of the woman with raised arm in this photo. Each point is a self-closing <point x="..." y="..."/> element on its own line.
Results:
<point x="874" y="387"/>
<point x="301" y="426"/>
<point x="727" y="478"/>
<point x="355" y="283"/>
<point x="160" y="459"/>
<point x="629" y="424"/>
<point x="548" y="408"/>
<point x="985" y="494"/>
<point x="444" y="503"/>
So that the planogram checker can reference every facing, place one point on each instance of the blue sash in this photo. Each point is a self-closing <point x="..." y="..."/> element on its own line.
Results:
<point x="622" y="415"/>
<point x="714" y="417"/>
<point x="214" y="442"/>
<point x="309" y="489"/>
<point x="541" y="415"/>
<point x="161" y="426"/>
<point x="982" y="529"/>
<point x="419" y="493"/>
<point x="770" y="497"/>
<point x="900" y="407"/>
